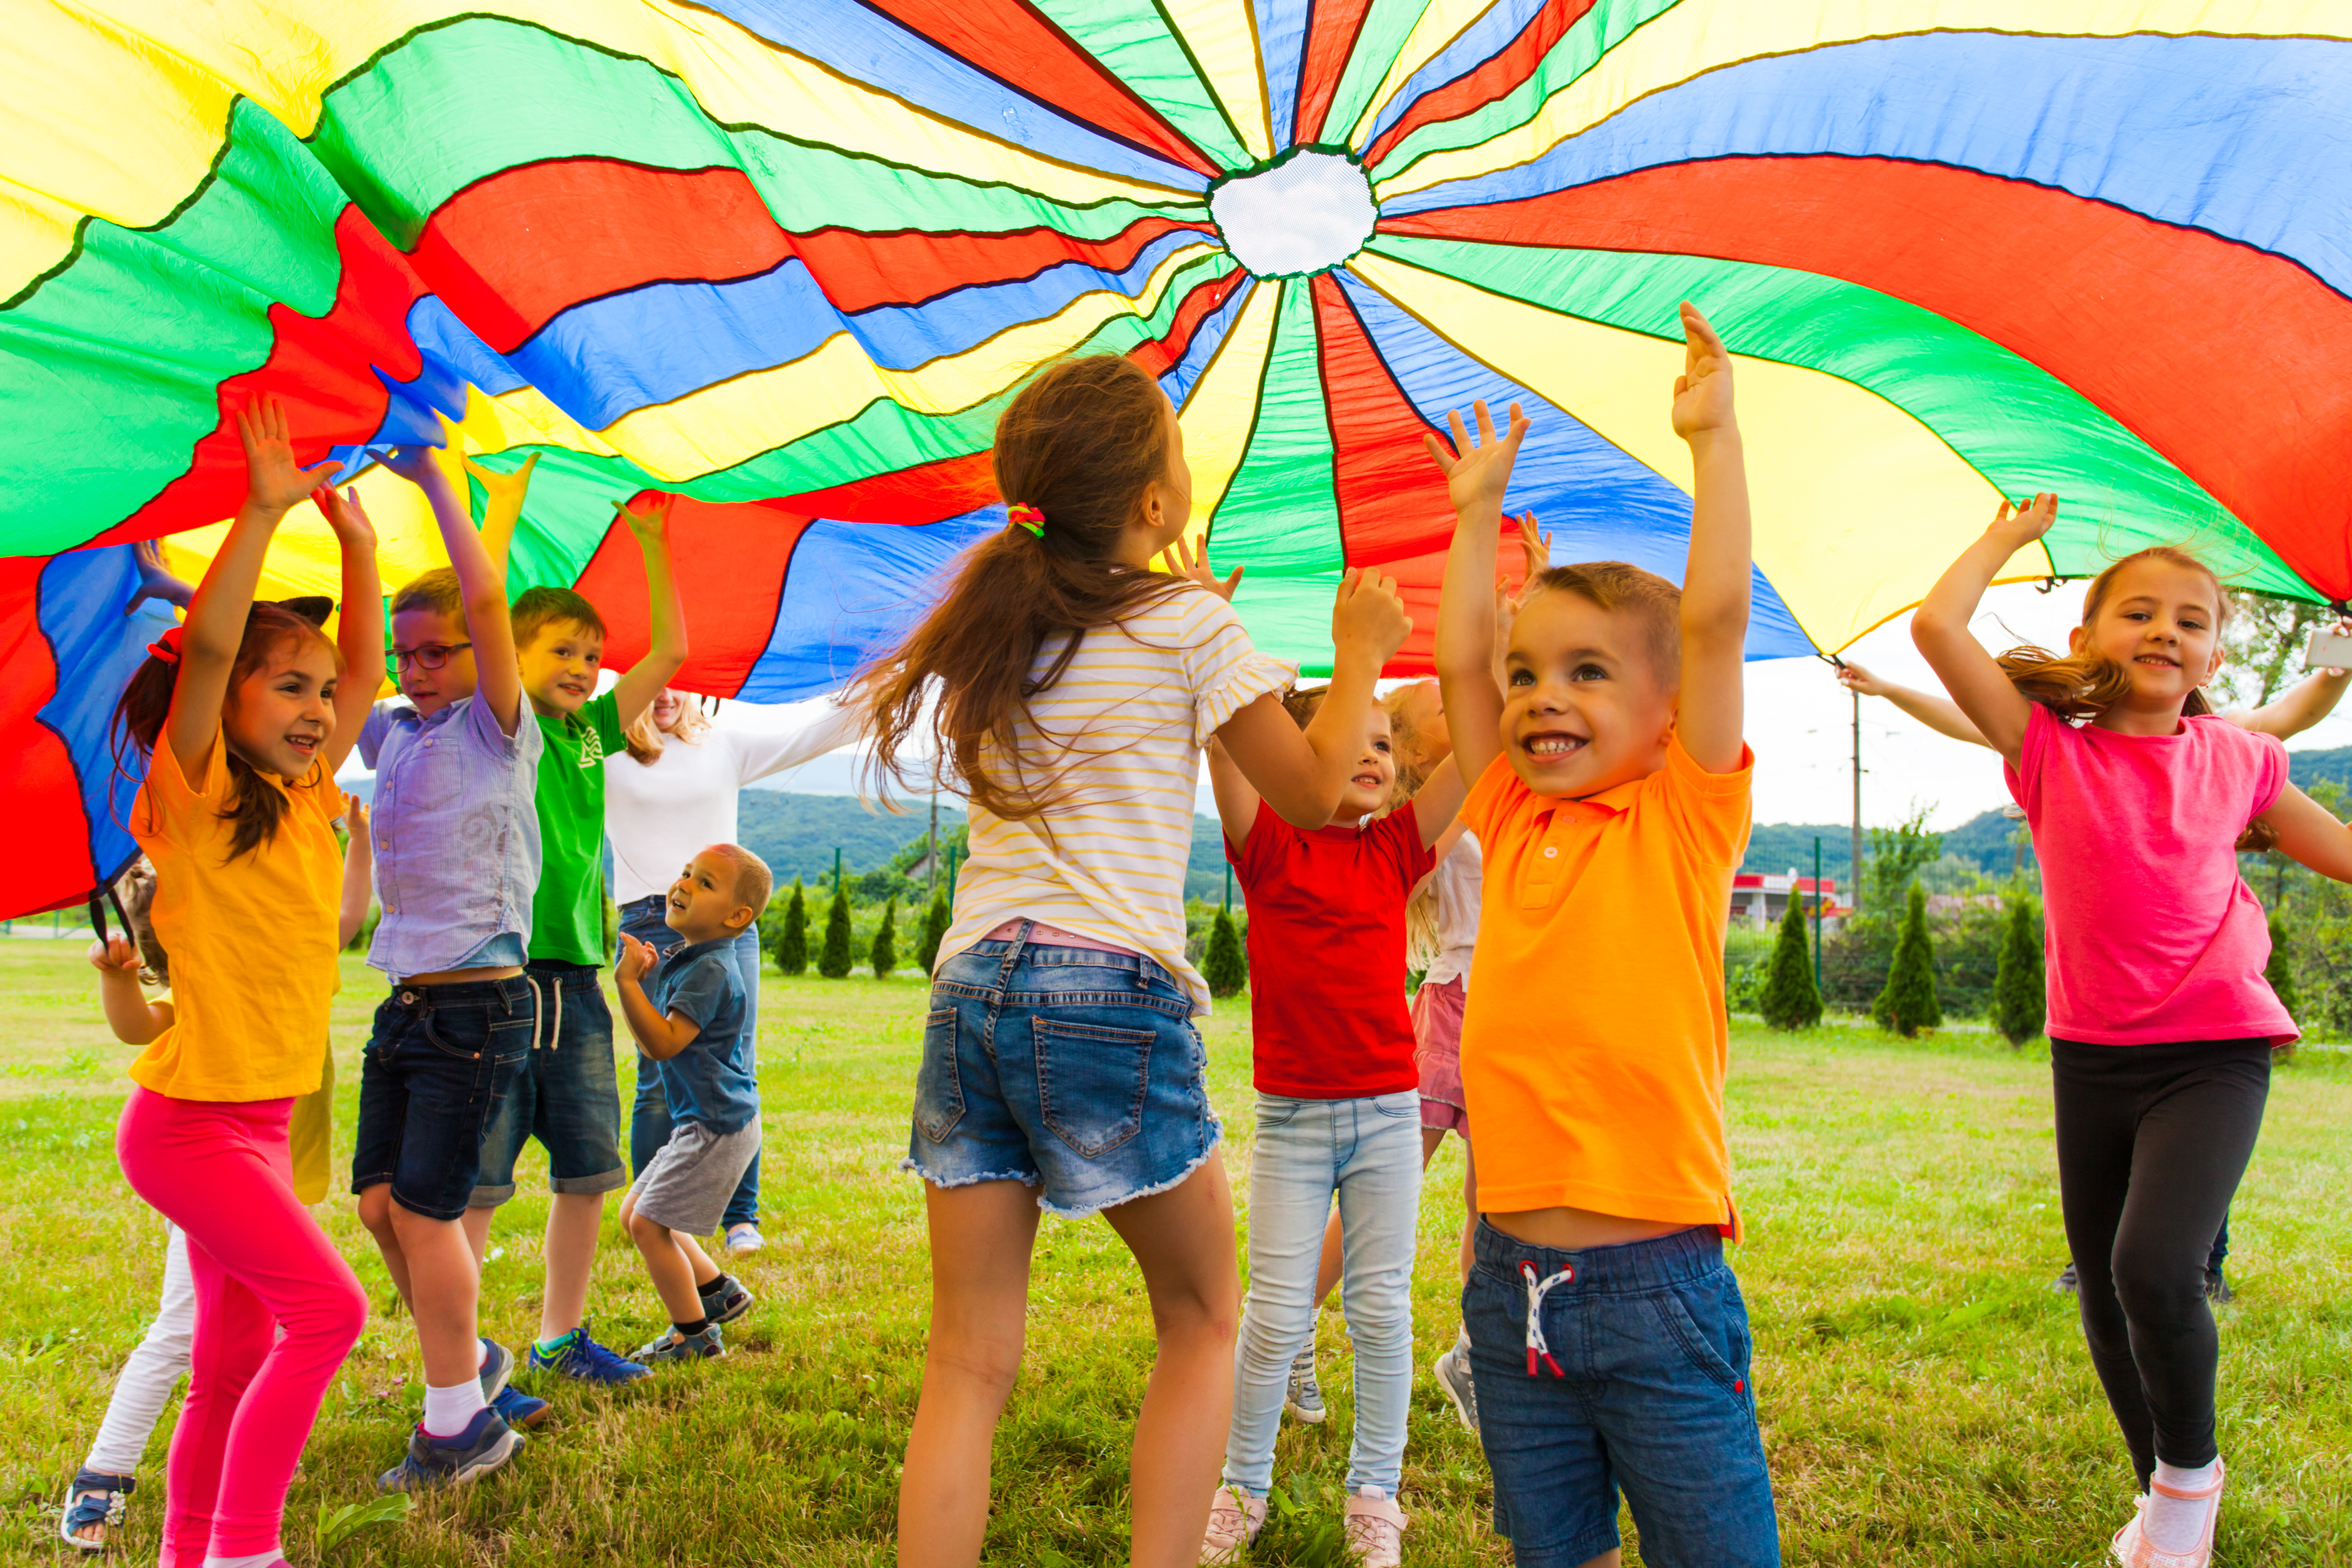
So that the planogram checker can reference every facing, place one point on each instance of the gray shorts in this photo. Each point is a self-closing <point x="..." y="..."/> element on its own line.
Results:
<point x="686" y="1185"/>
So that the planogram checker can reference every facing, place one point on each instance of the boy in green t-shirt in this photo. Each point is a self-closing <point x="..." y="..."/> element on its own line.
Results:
<point x="568" y="1095"/>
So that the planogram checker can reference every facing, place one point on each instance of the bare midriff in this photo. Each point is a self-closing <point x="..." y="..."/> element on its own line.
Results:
<point x="1569" y="1229"/>
<point x="461" y="976"/>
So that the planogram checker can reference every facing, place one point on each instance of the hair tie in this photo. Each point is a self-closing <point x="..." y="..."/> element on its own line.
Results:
<point x="166" y="647"/>
<point x="1028" y="516"/>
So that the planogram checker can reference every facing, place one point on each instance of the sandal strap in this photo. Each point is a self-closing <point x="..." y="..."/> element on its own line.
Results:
<point x="2182" y="1494"/>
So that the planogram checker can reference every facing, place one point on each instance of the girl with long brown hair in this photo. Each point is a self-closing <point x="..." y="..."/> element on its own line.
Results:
<point x="2160" y="1020"/>
<point x="1069" y="690"/>
<point x="243" y="716"/>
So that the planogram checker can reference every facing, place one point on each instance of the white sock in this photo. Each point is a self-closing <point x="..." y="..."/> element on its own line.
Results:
<point x="446" y="1410"/>
<point x="2174" y="1524"/>
<point x="259" y="1560"/>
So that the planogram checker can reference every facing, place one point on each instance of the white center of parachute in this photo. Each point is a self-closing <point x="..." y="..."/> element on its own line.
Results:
<point x="1306" y="214"/>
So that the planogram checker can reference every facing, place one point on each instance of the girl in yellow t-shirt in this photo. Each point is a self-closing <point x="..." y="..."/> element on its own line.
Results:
<point x="243" y="717"/>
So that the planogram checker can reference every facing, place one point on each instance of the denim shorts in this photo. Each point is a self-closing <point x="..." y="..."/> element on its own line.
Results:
<point x="566" y="1094"/>
<point x="1075" y="1071"/>
<point x="1642" y="1384"/>
<point x="441" y="1061"/>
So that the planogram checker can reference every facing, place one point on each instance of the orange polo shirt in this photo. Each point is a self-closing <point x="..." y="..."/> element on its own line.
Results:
<point x="1594" y="1043"/>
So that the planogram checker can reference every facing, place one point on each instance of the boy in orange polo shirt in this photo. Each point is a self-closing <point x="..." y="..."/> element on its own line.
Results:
<point x="1609" y="1342"/>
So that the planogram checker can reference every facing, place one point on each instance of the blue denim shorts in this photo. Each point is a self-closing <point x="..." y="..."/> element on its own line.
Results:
<point x="1076" y="1072"/>
<point x="566" y="1094"/>
<point x="439" y="1064"/>
<point x="1642" y="1384"/>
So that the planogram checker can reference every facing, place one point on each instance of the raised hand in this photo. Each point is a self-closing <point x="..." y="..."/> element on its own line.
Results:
<point x="1477" y="473"/>
<point x="1368" y="617"/>
<point x="636" y="958"/>
<point x="1186" y="559"/>
<point x="648" y="516"/>
<point x="1703" y="391"/>
<point x="1856" y="678"/>
<point x="503" y="490"/>
<point x="274" y="482"/>
<point x="155" y="579"/>
<point x="345" y="515"/>
<point x="1535" y="547"/>
<point x="117" y="954"/>
<point x="2021" y="525"/>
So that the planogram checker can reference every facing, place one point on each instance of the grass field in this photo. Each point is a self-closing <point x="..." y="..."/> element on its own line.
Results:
<point x="1925" y="1398"/>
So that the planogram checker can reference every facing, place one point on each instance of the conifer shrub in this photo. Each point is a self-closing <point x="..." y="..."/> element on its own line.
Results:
<point x="832" y="958"/>
<point x="791" y="949"/>
<point x="1225" y="968"/>
<point x="2020" y="1003"/>
<point x="885" y="953"/>
<point x="1908" y="1004"/>
<point x="1791" y="999"/>
<point x="935" y="926"/>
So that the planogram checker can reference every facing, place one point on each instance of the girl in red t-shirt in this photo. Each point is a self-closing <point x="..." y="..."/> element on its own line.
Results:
<point x="1339" y="1115"/>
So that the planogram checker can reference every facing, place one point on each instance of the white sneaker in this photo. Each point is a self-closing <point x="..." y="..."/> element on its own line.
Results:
<point x="743" y="1238"/>
<point x="1303" y="1399"/>
<point x="1235" y="1519"/>
<point x="1452" y="1370"/>
<point x="1376" y="1529"/>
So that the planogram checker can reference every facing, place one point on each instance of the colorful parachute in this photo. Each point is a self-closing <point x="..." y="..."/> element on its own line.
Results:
<point x="788" y="259"/>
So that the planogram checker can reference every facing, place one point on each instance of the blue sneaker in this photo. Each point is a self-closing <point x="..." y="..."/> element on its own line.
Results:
<point x="432" y="1462"/>
<point x="582" y="1359"/>
<point x="497" y="1366"/>
<point x="517" y="1409"/>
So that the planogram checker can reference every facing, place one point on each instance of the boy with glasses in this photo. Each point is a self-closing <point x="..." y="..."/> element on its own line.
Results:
<point x="457" y="846"/>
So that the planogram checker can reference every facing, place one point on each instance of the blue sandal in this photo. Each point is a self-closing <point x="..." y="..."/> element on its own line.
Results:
<point x="95" y="1499"/>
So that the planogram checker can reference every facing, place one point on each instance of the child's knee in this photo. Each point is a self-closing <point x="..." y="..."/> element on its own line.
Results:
<point x="375" y="1207"/>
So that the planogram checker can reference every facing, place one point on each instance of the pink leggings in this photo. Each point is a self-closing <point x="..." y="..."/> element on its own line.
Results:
<point x="219" y="1170"/>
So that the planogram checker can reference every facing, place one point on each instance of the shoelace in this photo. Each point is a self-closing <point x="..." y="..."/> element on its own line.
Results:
<point x="1536" y="1290"/>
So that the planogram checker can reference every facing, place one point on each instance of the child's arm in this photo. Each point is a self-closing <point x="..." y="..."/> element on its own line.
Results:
<point x="2300" y="706"/>
<point x="1940" y="714"/>
<point x="1303" y="776"/>
<point x="1718" y="578"/>
<point x="1237" y="803"/>
<point x="659" y="1037"/>
<point x="503" y="496"/>
<point x="1438" y="803"/>
<point x="215" y="623"/>
<point x="498" y="679"/>
<point x="358" y="867"/>
<point x="1476" y="477"/>
<point x="637" y="689"/>
<point x="359" y="629"/>
<point x="134" y="1019"/>
<point x="1939" y="627"/>
<point x="2308" y="833"/>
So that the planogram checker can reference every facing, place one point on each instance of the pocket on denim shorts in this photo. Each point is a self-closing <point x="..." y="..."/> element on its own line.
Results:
<point x="1709" y="1324"/>
<point x="1091" y="1080"/>
<point x="939" y="1086"/>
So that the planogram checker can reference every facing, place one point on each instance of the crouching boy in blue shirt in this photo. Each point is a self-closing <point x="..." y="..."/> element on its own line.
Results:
<point x="686" y="1013"/>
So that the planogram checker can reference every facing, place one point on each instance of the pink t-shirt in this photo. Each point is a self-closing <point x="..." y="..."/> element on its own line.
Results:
<point x="2152" y="935"/>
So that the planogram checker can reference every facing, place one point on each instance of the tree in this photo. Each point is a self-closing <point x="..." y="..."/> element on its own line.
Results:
<point x="1791" y="999"/>
<point x="2262" y="643"/>
<point x="1897" y="856"/>
<point x="935" y="926"/>
<point x="1223" y="967"/>
<point x="833" y="960"/>
<point x="792" y="951"/>
<point x="884" y="954"/>
<point x="2277" y="972"/>
<point x="2020" y="1003"/>
<point x="1908" y="1004"/>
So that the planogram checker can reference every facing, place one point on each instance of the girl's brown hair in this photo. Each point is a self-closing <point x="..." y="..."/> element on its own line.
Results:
<point x="1081" y="442"/>
<point x="257" y="806"/>
<point x="2083" y="685"/>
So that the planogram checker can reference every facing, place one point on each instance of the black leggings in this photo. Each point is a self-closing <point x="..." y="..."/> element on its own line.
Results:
<point x="2151" y="1142"/>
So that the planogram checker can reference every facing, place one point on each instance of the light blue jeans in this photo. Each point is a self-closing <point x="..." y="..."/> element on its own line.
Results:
<point x="1368" y="1151"/>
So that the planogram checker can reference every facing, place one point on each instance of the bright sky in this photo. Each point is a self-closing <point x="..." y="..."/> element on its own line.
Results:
<point x="1799" y="722"/>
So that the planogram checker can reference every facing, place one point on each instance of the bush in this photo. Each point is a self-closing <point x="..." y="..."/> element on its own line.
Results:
<point x="833" y="960"/>
<point x="885" y="952"/>
<point x="935" y="926"/>
<point x="2278" y="971"/>
<point x="791" y="947"/>
<point x="1225" y="969"/>
<point x="1791" y="999"/>
<point x="2020" y="1003"/>
<point x="1908" y="1004"/>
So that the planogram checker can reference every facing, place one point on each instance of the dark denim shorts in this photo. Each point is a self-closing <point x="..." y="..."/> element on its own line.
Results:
<point x="1646" y="1389"/>
<point x="441" y="1061"/>
<point x="1076" y="1072"/>
<point x="566" y="1095"/>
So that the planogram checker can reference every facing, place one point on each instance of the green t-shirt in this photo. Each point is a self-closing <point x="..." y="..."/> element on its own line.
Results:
<point x="567" y="916"/>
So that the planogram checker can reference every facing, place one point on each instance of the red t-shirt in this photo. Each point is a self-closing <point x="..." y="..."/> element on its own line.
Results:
<point x="1327" y="952"/>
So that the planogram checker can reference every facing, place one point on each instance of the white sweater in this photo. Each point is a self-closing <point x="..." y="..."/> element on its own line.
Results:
<point x="660" y="815"/>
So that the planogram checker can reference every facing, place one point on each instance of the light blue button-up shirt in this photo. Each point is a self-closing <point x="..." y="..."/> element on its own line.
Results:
<point x="457" y="835"/>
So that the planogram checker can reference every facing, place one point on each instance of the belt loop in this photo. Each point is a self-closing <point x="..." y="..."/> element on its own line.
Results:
<point x="1013" y="953"/>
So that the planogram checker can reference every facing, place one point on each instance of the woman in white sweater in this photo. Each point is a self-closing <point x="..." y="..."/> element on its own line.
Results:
<point x="671" y="794"/>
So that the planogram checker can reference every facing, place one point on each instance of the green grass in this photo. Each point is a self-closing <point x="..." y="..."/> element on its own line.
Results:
<point x="1925" y="1398"/>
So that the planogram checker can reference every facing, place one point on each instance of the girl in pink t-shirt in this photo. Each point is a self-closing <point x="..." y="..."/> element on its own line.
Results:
<point x="2160" y="1022"/>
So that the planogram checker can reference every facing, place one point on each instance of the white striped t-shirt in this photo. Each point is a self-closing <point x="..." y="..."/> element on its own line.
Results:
<point x="1115" y="746"/>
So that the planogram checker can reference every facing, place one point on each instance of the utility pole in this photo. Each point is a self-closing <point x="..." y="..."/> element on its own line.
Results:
<point x="1857" y="800"/>
<point x="1817" y="912"/>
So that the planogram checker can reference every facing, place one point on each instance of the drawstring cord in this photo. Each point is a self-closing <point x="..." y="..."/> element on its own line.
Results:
<point x="538" y="1010"/>
<point x="1537" y="1291"/>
